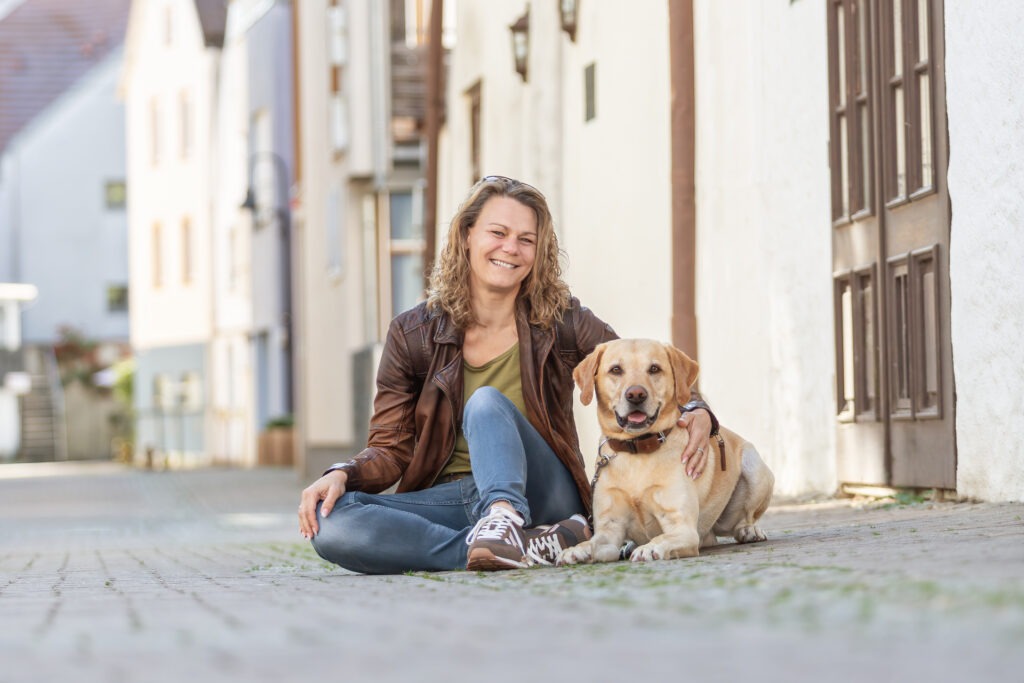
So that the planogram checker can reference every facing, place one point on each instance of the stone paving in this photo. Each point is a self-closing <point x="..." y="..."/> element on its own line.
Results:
<point x="112" y="574"/>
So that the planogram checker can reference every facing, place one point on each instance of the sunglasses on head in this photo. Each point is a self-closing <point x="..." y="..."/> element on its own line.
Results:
<point x="512" y="182"/>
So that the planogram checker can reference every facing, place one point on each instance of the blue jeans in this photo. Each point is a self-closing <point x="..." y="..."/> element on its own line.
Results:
<point x="377" y="533"/>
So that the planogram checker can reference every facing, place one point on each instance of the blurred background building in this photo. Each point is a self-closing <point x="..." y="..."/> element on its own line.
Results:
<point x="63" y="227"/>
<point x="814" y="198"/>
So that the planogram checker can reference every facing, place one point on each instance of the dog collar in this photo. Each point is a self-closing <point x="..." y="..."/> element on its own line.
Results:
<point x="648" y="443"/>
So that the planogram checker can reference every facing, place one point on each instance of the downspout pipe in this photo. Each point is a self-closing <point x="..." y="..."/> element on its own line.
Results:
<point x="434" y="113"/>
<point x="684" y="164"/>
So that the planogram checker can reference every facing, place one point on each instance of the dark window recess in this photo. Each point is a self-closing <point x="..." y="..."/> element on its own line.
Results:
<point x="856" y="345"/>
<point x="589" y="101"/>
<point x="473" y="95"/>
<point x="117" y="298"/>
<point x="916" y="385"/>
<point x="849" y="97"/>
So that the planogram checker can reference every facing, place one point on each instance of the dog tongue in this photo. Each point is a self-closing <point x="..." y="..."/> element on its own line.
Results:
<point x="637" y="417"/>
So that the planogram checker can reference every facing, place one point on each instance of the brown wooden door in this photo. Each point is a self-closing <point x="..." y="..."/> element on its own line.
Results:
<point x="890" y="246"/>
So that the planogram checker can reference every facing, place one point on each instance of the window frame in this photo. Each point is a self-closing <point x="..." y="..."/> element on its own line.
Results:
<point x="850" y="92"/>
<point x="908" y="79"/>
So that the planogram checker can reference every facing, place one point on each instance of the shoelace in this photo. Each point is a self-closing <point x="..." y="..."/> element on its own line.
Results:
<point x="544" y="549"/>
<point x="493" y="527"/>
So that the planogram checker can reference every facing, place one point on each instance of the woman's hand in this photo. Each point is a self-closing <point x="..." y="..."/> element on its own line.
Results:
<point x="328" y="488"/>
<point x="698" y="423"/>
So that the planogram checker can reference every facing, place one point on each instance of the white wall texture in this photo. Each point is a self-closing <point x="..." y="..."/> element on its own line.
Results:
<point x="984" y="61"/>
<point x="763" y="233"/>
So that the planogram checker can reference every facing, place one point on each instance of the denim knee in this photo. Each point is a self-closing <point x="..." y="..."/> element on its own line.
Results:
<point x="485" y="405"/>
<point x="340" y="541"/>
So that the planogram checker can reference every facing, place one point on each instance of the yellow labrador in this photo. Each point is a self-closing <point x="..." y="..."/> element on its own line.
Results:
<point x="642" y="493"/>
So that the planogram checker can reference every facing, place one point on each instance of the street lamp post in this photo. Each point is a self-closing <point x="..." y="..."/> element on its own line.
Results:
<point x="283" y="214"/>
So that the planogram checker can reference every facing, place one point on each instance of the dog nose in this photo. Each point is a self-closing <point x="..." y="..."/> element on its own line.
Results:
<point x="636" y="394"/>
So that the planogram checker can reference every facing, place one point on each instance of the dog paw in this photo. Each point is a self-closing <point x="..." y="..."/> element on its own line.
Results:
<point x="578" y="554"/>
<point x="647" y="553"/>
<point x="749" y="534"/>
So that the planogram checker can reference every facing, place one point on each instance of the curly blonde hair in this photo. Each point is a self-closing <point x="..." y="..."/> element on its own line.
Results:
<point x="546" y="295"/>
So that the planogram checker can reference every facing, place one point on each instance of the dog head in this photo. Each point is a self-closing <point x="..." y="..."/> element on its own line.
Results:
<point x="639" y="384"/>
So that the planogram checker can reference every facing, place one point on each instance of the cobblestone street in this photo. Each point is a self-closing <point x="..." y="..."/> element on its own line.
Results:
<point x="112" y="574"/>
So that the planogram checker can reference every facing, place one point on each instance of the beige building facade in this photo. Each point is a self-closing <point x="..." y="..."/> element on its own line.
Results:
<point x="358" y="208"/>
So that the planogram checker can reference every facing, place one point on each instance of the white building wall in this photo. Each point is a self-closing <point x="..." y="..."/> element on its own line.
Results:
<point x="231" y="378"/>
<point x="172" y="322"/>
<point x="177" y="186"/>
<point x="70" y="244"/>
<point x="986" y="174"/>
<point x="617" y="178"/>
<point x="607" y="180"/>
<point x="329" y="224"/>
<point x="763" y="233"/>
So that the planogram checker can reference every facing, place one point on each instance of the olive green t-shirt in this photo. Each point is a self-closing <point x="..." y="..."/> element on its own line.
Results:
<point x="503" y="374"/>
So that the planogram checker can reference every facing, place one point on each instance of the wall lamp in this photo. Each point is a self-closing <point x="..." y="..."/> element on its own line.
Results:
<point x="521" y="42"/>
<point x="570" y="11"/>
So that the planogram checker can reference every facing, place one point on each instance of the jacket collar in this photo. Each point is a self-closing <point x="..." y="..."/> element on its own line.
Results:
<point x="446" y="332"/>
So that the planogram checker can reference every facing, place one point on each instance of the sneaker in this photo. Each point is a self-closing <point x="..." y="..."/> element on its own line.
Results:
<point x="543" y="544"/>
<point x="497" y="542"/>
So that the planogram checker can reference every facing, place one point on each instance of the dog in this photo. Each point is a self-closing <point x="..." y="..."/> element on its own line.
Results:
<point x="642" y="492"/>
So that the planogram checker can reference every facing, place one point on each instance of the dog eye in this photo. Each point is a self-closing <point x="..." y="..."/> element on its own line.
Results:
<point x="654" y="370"/>
<point x="615" y="370"/>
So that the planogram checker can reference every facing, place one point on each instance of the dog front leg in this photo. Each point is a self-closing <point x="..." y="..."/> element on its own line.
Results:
<point x="610" y="509"/>
<point x="679" y="537"/>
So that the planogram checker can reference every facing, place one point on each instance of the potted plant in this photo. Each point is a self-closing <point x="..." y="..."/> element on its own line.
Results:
<point x="276" y="445"/>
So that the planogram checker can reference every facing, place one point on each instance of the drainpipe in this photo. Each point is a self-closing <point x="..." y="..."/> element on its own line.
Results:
<point x="435" y="109"/>
<point x="684" y="156"/>
<point x="296" y="339"/>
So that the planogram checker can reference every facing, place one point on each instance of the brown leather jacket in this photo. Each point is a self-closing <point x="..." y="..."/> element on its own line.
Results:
<point x="418" y="407"/>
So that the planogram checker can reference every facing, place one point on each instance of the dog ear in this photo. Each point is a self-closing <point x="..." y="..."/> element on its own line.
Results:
<point x="585" y="372"/>
<point x="684" y="372"/>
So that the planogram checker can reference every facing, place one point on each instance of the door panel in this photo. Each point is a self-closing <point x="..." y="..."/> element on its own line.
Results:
<point x="890" y="243"/>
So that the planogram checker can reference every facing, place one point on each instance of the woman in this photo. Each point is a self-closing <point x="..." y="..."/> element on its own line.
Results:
<point x="473" y="413"/>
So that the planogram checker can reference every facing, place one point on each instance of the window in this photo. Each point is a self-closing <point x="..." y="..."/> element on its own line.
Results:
<point x="409" y="22"/>
<point x="905" y="27"/>
<point x="337" y="27"/>
<point x="154" y="131"/>
<point x="589" y="103"/>
<point x="163" y="392"/>
<point x="857" y="345"/>
<point x="334" y="235"/>
<point x="234" y="271"/>
<point x="168" y="25"/>
<point x="406" y="249"/>
<point x="187" y="261"/>
<point x="914" y="324"/>
<point x="185" y="125"/>
<point x="191" y="392"/>
<point x="115" y="194"/>
<point x="117" y="298"/>
<point x="473" y="96"/>
<point x="156" y="256"/>
<point x="850" y="104"/>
